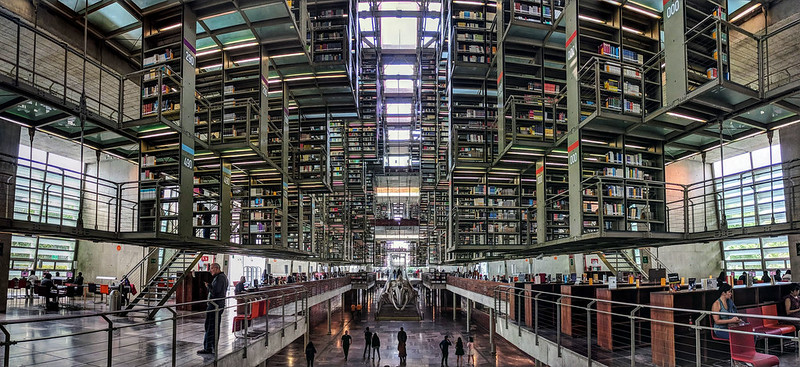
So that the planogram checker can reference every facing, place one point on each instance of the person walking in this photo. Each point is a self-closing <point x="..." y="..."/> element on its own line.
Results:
<point x="346" y="339"/>
<point x="376" y="346"/>
<point x="444" y="345"/>
<point x="401" y="345"/>
<point x="310" y="352"/>
<point x="459" y="351"/>
<point x="470" y="352"/>
<point x="217" y="289"/>
<point x="368" y="339"/>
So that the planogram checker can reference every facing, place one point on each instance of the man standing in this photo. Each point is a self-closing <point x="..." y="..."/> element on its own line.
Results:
<point x="346" y="338"/>
<point x="401" y="345"/>
<point x="444" y="345"/>
<point x="368" y="338"/>
<point x="217" y="289"/>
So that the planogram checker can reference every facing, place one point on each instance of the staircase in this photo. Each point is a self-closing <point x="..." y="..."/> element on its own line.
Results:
<point x="163" y="284"/>
<point x="624" y="261"/>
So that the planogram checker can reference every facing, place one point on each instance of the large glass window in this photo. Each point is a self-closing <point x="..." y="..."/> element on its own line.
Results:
<point x="396" y="34"/>
<point x="398" y="135"/>
<point x="48" y="188"/>
<point x="750" y="187"/>
<point x="756" y="254"/>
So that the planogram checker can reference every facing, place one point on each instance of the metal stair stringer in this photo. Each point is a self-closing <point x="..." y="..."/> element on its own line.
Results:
<point x="154" y="291"/>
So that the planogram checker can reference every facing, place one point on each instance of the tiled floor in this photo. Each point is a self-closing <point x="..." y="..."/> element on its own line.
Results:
<point x="422" y="346"/>
<point x="140" y="345"/>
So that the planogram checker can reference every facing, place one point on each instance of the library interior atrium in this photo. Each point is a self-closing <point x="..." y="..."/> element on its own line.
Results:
<point x="513" y="182"/>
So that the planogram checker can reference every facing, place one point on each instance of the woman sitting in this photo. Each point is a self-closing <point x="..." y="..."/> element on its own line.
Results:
<point x="724" y="304"/>
<point x="792" y="303"/>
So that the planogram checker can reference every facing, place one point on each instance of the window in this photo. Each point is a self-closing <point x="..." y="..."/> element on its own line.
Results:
<point x="751" y="186"/>
<point x="399" y="86"/>
<point x="397" y="161"/>
<point x="396" y="33"/>
<point x="756" y="254"/>
<point x="399" y="135"/>
<point x="398" y="69"/>
<point x="48" y="188"/>
<point x="398" y="108"/>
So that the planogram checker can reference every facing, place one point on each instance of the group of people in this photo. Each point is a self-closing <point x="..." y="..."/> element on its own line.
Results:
<point x="725" y="304"/>
<point x="463" y="352"/>
<point x="765" y="277"/>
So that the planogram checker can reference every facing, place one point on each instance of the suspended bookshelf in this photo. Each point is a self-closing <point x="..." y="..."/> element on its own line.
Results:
<point x="329" y="31"/>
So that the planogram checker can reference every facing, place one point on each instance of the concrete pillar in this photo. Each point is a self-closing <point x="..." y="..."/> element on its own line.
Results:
<point x="9" y="145"/>
<point x="454" y="306"/>
<point x="343" y="303"/>
<point x="492" y="327"/>
<point x="791" y="152"/>
<point x="469" y="312"/>
<point x="329" y="316"/>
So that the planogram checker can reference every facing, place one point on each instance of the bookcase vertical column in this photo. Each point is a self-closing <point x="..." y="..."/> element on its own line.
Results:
<point x="187" y="122"/>
<point x="541" y="203"/>
<point x="573" y="117"/>
<point x="225" y="206"/>
<point x="285" y="165"/>
<point x="675" y="76"/>
<point x="263" y="104"/>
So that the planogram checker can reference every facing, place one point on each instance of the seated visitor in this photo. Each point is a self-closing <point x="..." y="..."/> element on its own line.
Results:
<point x="724" y="304"/>
<point x="787" y="277"/>
<point x="743" y="277"/>
<point x="792" y="303"/>
<point x="240" y="286"/>
<point x="722" y="278"/>
<point x="777" y="276"/>
<point x="766" y="278"/>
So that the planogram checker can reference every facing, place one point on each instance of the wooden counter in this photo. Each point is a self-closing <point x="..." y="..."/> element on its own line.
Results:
<point x="573" y="321"/>
<point x="671" y="343"/>
<point x="613" y="330"/>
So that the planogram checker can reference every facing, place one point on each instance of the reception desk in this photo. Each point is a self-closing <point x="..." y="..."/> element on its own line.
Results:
<point x="673" y="343"/>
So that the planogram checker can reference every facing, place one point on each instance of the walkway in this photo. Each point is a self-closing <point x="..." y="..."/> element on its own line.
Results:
<point x="423" y="343"/>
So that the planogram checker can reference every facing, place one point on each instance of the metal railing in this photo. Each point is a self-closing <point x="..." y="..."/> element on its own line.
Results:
<point x="619" y="333"/>
<point x="778" y="68"/>
<point x="21" y="336"/>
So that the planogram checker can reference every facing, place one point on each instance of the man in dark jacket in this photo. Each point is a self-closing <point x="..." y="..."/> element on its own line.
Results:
<point x="376" y="346"/>
<point x="368" y="338"/>
<point x="217" y="289"/>
<point x="401" y="341"/>
<point x="346" y="338"/>
<point x="310" y="352"/>
<point x="444" y="345"/>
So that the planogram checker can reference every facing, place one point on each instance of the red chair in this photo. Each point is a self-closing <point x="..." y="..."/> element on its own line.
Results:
<point x="758" y="326"/>
<point x="743" y="349"/>
<point x="239" y="320"/>
<point x="772" y="310"/>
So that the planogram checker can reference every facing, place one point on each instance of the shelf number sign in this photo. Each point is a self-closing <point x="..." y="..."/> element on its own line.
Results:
<point x="573" y="158"/>
<point x="188" y="162"/>
<point x="190" y="57"/>
<point x="673" y="8"/>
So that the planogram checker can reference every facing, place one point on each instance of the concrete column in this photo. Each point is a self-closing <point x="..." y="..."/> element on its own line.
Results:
<point x="9" y="145"/>
<point x="329" y="316"/>
<point x="791" y="152"/>
<point x="469" y="312"/>
<point x="491" y="331"/>
<point x="454" y="306"/>
<point x="343" y="303"/>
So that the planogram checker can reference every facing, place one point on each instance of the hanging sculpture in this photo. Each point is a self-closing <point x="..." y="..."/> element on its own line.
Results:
<point x="398" y="292"/>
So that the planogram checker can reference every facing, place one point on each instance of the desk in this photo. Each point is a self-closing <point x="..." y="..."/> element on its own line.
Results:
<point x="546" y="308"/>
<point x="609" y="326"/>
<point x="671" y="343"/>
<point x="573" y="321"/>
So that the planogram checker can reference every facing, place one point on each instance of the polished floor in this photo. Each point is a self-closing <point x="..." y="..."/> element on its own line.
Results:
<point x="133" y="344"/>
<point x="422" y="346"/>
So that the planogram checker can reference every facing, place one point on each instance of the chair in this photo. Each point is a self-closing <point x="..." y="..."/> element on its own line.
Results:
<point x="22" y="284"/>
<point x="772" y="310"/>
<point x="758" y="326"/>
<point x="743" y="349"/>
<point x="239" y="320"/>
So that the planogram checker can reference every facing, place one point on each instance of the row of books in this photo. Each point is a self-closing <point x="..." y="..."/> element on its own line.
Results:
<point x="614" y="51"/>
<point x="157" y="58"/>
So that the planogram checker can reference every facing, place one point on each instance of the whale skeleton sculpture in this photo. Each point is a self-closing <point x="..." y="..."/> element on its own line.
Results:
<point x="398" y="292"/>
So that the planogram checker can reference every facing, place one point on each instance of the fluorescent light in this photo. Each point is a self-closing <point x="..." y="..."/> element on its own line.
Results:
<point x="617" y="3"/>
<point x="287" y="55"/>
<point x="467" y="2"/>
<point x="170" y="27"/>
<point x="594" y="141"/>
<point x="591" y="19"/>
<point x="674" y="114"/>
<point x="748" y="11"/>
<point x="241" y="45"/>
<point x="247" y="60"/>
<point x="785" y="125"/>
<point x="642" y="11"/>
<point x="211" y="67"/>
<point x="635" y="146"/>
<point x="157" y="135"/>
<point x="209" y="52"/>
<point x="624" y="28"/>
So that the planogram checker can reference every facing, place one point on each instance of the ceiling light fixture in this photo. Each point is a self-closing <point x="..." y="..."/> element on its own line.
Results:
<point x="170" y="27"/>
<point x="478" y="3"/>
<point x="631" y="30"/>
<point x="158" y="134"/>
<point x="209" y="52"/>
<point x="241" y="45"/>
<point x="288" y="55"/>
<point x="211" y="67"/>
<point x="642" y="11"/>
<point x="687" y="117"/>
<point x="591" y="19"/>
<point x="244" y="61"/>
<point x="748" y="11"/>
